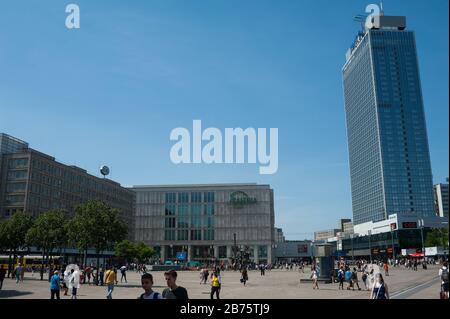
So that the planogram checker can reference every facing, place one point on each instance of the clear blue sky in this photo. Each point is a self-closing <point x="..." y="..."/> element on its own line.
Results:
<point x="111" y="92"/>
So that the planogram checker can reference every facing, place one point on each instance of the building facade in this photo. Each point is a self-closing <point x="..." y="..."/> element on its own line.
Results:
<point x="389" y="237"/>
<point x="279" y="236"/>
<point x="325" y="234"/>
<point x="343" y="222"/>
<point x="441" y="199"/>
<point x="347" y="227"/>
<point x="10" y="145"/>
<point x="33" y="182"/>
<point x="205" y="222"/>
<point x="294" y="251"/>
<point x="389" y="157"/>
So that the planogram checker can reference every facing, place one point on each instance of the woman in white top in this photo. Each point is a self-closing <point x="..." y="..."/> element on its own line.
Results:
<point x="314" y="278"/>
<point x="380" y="289"/>
<point x="74" y="282"/>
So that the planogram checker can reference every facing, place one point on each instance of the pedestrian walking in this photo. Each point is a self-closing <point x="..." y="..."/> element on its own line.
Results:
<point x="123" y="273"/>
<point x="244" y="276"/>
<point x="443" y="274"/>
<point x="65" y="282"/>
<point x="74" y="282"/>
<point x="315" y="278"/>
<point x="341" y="276"/>
<point x="2" y="275"/>
<point x="110" y="279"/>
<point x="18" y="272"/>
<point x="215" y="285"/>
<point x="263" y="270"/>
<point x="147" y="285"/>
<point x="54" y="285"/>
<point x="364" y="279"/>
<point x="386" y="269"/>
<point x="348" y="278"/>
<point x="354" y="279"/>
<point x="101" y="275"/>
<point x="173" y="291"/>
<point x="88" y="274"/>
<point x="380" y="288"/>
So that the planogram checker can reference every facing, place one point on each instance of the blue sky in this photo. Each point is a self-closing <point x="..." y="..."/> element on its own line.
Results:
<point x="111" y="92"/>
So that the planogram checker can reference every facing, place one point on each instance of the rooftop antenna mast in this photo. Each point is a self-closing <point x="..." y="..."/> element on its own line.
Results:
<point x="381" y="8"/>
<point x="361" y="19"/>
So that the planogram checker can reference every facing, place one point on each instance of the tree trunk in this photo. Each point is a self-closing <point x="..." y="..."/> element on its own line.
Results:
<point x="98" y="267"/>
<point x="42" y="264"/>
<point x="9" y="264"/>
<point x="14" y="259"/>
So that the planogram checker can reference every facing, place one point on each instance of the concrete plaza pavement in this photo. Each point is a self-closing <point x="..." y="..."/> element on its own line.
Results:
<point x="276" y="284"/>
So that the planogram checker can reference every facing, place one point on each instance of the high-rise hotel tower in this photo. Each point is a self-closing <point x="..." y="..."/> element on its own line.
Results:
<point x="387" y="137"/>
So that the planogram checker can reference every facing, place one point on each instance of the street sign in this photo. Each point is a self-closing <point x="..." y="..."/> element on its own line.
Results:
<point x="181" y="255"/>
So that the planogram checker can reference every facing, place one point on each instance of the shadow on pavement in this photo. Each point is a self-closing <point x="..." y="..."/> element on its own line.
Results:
<point x="13" y="293"/>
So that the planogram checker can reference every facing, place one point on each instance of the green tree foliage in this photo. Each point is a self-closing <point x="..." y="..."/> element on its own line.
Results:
<point x="437" y="238"/>
<point x="79" y="230"/>
<point x="144" y="252"/>
<point x="101" y="225"/>
<point x="126" y="250"/>
<point x="3" y="241"/>
<point x="15" y="230"/>
<point x="48" y="233"/>
<point x="131" y="251"/>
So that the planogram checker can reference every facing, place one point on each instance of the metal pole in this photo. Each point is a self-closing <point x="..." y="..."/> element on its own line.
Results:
<point x="353" y="254"/>
<point x="234" y="249"/>
<point x="370" y="247"/>
<point x="393" y="248"/>
<point x="421" y="232"/>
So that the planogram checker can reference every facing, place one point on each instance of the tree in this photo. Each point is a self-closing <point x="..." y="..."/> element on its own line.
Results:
<point x="78" y="231"/>
<point x="437" y="238"/>
<point x="15" y="231"/>
<point x="3" y="241"/>
<point x="126" y="250"/>
<point x="144" y="252"/>
<point x="102" y="226"/>
<point x="48" y="233"/>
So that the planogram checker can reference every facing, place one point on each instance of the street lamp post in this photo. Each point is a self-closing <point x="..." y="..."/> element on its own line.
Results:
<point x="353" y="254"/>
<point x="234" y="250"/>
<point x="370" y="246"/>
<point x="393" y="248"/>
<point x="422" y="224"/>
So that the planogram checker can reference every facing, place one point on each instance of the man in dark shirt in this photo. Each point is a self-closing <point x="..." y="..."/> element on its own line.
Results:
<point x="174" y="291"/>
<point x="2" y="275"/>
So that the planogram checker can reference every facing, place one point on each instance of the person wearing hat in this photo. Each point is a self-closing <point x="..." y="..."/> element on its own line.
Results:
<point x="54" y="285"/>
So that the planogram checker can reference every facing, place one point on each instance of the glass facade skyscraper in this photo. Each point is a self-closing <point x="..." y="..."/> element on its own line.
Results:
<point x="387" y="138"/>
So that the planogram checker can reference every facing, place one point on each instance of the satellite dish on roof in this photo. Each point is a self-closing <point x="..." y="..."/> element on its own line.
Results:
<point x="104" y="170"/>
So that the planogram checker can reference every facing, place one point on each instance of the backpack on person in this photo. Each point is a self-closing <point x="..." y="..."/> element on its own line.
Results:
<point x="444" y="275"/>
<point x="155" y="296"/>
